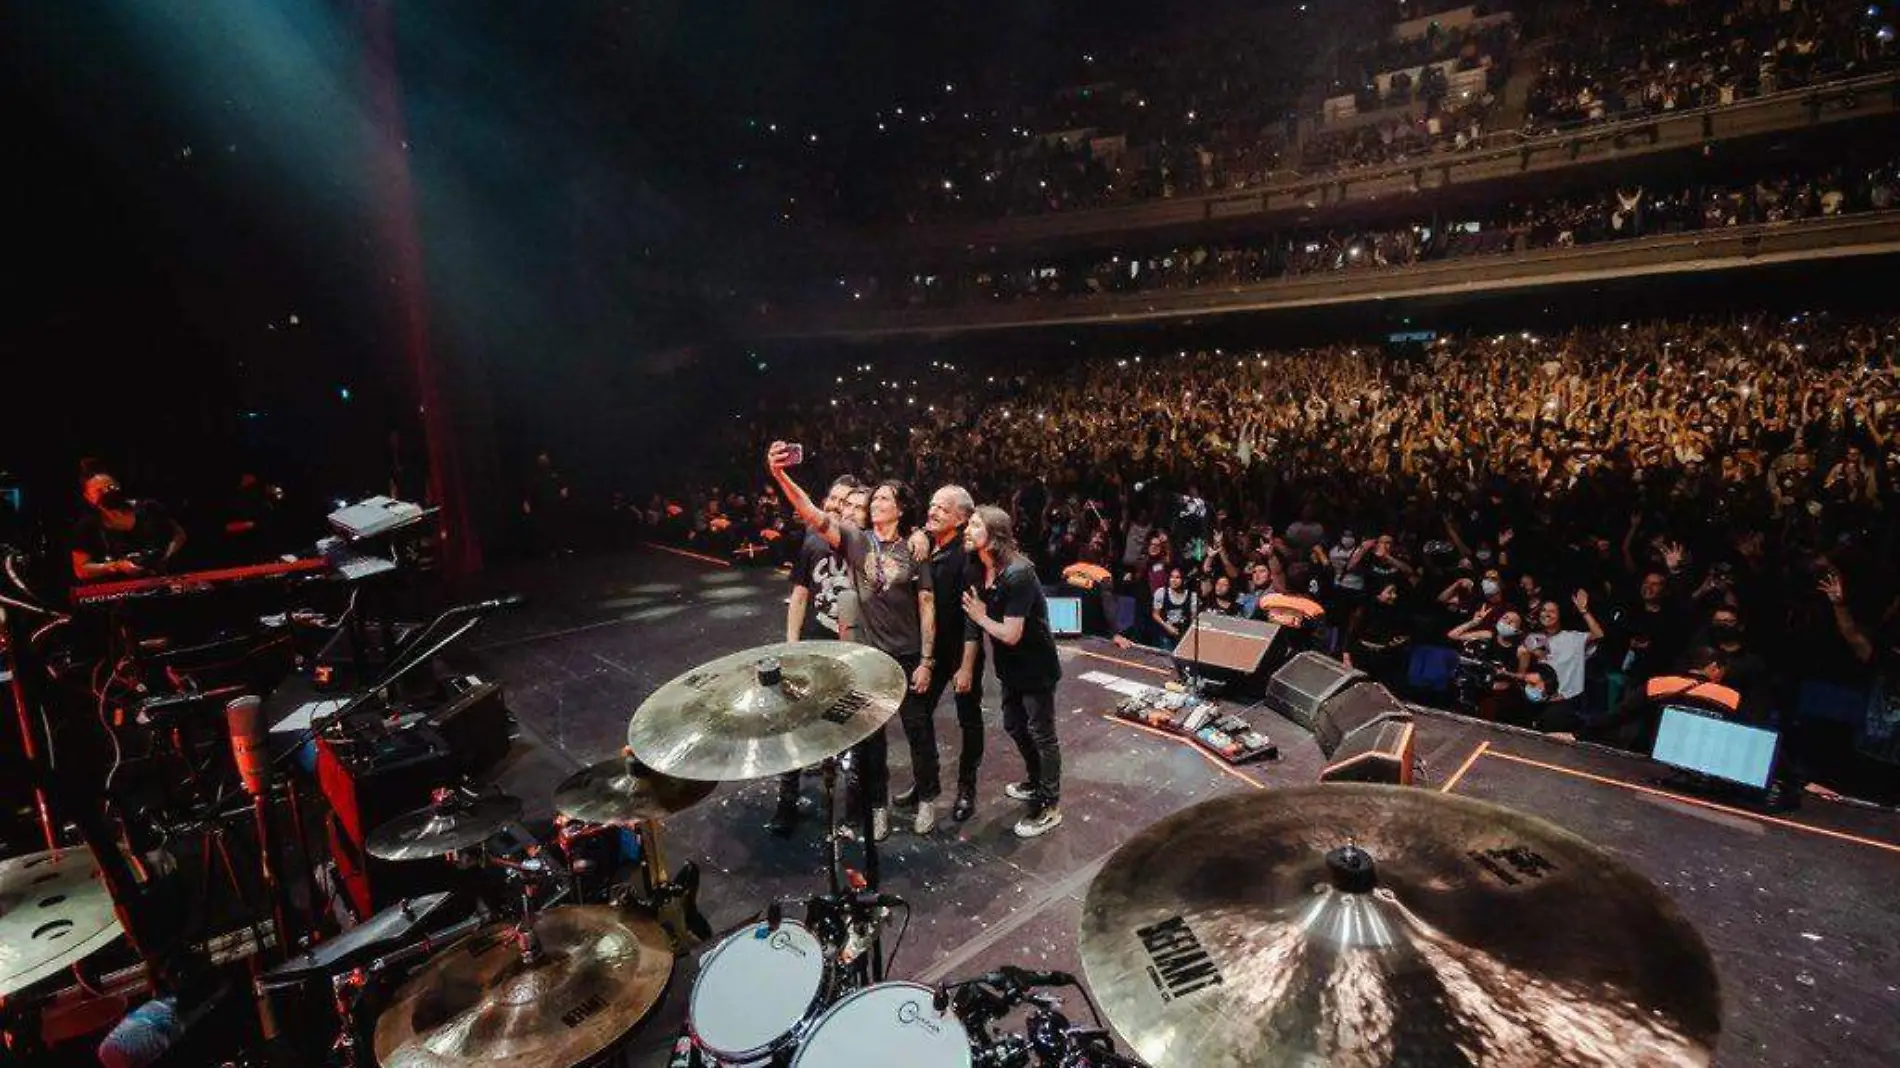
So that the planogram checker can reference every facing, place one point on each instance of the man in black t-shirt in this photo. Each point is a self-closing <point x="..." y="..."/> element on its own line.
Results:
<point x="121" y="537"/>
<point x="819" y="582"/>
<point x="1008" y="606"/>
<point x="952" y="570"/>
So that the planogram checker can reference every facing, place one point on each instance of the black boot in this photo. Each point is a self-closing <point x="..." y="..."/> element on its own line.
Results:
<point x="966" y="804"/>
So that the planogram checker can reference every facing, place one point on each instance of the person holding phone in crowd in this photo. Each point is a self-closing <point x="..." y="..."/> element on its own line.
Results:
<point x="895" y="610"/>
<point x="1008" y="606"/>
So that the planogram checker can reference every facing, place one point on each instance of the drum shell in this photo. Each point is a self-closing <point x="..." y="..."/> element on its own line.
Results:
<point x="722" y="955"/>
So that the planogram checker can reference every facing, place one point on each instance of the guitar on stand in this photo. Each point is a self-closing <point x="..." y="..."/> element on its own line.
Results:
<point x="619" y="795"/>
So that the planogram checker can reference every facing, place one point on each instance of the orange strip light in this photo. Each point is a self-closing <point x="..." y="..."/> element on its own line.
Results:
<point x="1699" y="803"/>
<point x="1125" y="663"/>
<point x="1177" y="739"/>
<point x="689" y="555"/>
<point x="1464" y="767"/>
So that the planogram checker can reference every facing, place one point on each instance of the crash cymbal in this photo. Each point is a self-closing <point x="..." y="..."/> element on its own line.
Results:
<point x="1377" y="925"/>
<point x="622" y="790"/>
<point x="766" y="711"/>
<point x="448" y="826"/>
<point x="54" y="910"/>
<point x="600" y="970"/>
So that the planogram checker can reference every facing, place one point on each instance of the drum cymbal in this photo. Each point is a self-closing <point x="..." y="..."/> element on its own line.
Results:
<point x="621" y="790"/>
<point x="1375" y="925"/>
<point x="54" y="910"/>
<point x="453" y="825"/>
<point x="601" y="970"/>
<point x="766" y="711"/>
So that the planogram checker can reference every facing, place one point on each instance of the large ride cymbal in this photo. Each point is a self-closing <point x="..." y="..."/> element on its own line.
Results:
<point x="766" y="711"/>
<point x="621" y="790"/>
<point x="600" y="971"/>
<point x="54" y="911"/>
<point x="449" y="826"/>
<point x="1374" y="925"/>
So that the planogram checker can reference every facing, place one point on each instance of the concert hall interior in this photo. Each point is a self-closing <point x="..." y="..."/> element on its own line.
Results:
<point x="1229" y="533"/>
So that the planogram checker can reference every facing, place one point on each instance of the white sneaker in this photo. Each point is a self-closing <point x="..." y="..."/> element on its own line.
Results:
<point x="1020" y="791"/>
<point x="926" y="820"/>
<point x="880" y="823"/>
<point x="1040" y="821"/>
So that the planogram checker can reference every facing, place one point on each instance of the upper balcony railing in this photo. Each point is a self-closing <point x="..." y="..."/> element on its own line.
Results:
<point x="1500" y="154"/>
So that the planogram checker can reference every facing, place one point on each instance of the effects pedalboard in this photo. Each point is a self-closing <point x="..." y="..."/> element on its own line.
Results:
<point x="1201" y="721"/>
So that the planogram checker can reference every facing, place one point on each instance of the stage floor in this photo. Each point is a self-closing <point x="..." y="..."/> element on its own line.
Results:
<point x="1797" y="909"/>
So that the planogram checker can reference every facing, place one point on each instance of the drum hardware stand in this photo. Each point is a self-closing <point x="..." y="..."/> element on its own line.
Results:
<point x="347" y="987"/>
<point x="29" y="745"/>
<point x="115" y="869"/>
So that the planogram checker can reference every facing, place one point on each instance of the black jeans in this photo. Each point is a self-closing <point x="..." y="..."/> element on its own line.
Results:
<point x="1029" y="718"/>
<point x="919" y="714"/>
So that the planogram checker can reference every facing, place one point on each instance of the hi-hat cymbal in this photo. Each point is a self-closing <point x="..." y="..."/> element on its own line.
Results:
<point x="600" y="971"/>
<point x="450" y="826"/>
<point x="54" y="910"/>
<point x="1373" y="925"/>
<point x="766" y="711"/>
<point x="621" y="790"/>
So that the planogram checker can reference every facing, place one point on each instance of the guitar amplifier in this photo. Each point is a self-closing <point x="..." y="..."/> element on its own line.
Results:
<point x="1227" y="649"/>
<point x="1381" y="751"/>
<point x="370" y="778"/>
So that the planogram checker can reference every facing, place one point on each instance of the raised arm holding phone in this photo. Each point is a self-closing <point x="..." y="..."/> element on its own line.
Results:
<point x="895" y="612"/>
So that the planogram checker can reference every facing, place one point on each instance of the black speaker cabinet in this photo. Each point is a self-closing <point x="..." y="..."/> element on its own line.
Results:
<point x="1304" y="683"/>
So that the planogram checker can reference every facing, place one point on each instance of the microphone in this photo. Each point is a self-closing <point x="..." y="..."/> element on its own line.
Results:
<point x="507" y="600"/>
<point x="243" y="719"/>
<point x="941" y="999"/>
<point x="774" y="915"/>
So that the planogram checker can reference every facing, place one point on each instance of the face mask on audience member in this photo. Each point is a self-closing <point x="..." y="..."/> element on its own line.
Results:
<point x="1490" y="587"/>
<point x="1347" y="541"/>
<point x="1508" y="630"/>
<point x="1534" y="692"/>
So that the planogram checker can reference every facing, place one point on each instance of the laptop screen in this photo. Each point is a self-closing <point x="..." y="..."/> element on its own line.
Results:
<point x="1065" y="616"/>
<point x="1695" y="741"/>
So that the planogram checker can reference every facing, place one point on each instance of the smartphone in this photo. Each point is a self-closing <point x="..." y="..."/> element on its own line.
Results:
<point x="794" y="454"/>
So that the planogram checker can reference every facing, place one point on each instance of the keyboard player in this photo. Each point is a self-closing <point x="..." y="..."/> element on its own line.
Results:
<point x="120" y="537"/>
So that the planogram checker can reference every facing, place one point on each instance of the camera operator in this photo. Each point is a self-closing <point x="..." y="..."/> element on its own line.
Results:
<point x="1486" y="685"/>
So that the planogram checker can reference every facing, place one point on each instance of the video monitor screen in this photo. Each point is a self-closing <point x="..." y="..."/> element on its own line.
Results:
<point x="1065" y="616"/>
<point x="1696" y="741"/>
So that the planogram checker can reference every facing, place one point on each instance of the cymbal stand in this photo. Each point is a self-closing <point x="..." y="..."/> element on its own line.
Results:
<point x="347" y="987"/>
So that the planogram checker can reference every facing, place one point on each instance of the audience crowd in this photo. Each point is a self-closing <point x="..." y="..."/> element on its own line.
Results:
<point x="1235" y="104"/>
<point x="1706" y="495"/>
<point x="1607" y="60"/>
<point x="1619" y="212"/>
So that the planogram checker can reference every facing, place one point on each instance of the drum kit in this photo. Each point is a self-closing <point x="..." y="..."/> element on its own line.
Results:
<point x="1335" y="924"/>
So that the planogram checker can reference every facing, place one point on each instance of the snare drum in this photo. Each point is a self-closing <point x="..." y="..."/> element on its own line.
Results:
<point x="757" y="993"/>
<point x="890" y="1023"/>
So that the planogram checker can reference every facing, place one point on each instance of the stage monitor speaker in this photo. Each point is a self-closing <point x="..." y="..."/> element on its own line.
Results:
<point x="475" y="721"/>
<point x="1226" y="649"/>
<point x="1382" y="751"/>
<point x="369" y="780"/>
<point x="1303" y="684"/>
<point x="1352" y="709"/>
